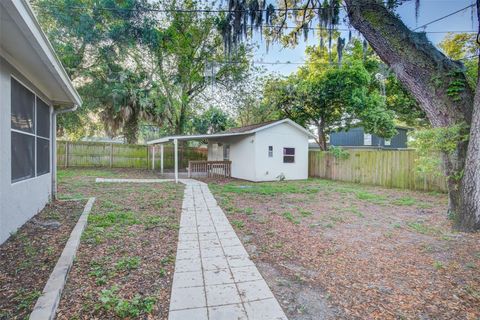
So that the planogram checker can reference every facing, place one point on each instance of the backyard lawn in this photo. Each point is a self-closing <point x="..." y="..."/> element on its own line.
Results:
<point x="333" y="250"/>
<point x="124" y="266"/>
<point x="328" y="250"/>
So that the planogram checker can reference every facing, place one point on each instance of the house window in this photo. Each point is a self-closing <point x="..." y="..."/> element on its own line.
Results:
<point x="367" y="139"/>
<point x="388" y="142"/>
<point x="288" y="155"/>
<point x="226" y="152"/>
<point x="30" y="134"/>
<point x="270" y="151"/>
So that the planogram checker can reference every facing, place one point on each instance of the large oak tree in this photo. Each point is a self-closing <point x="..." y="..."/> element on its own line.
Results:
<point x="438" y="83"/>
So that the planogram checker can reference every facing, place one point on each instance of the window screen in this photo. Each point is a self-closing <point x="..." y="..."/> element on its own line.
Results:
<point x="288" y="155"/>
<point x="30" y="132"/>
<point x="23" y="156"/>
<point x="43" y="119"/>
<point x="43" y="156"/>
<point x="23" y="108"/>
<point x="226" y="152"/>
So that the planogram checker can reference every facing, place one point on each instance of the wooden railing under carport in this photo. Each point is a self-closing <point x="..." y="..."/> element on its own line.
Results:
<point x="200" y="168"/>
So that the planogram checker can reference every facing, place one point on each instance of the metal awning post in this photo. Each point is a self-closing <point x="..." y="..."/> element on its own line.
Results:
<point x="175" y="143"/>
<point x="161" y="158"/>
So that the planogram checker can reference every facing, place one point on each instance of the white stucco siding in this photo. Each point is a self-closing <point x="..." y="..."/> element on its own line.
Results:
<point x="242" y="152"/>
<point x="21" y="200"/>
<point x="280" y="136"/>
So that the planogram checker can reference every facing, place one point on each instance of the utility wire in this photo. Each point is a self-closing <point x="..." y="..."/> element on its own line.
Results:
<point x="250" y="26"/>
<point x="443" y="17"/>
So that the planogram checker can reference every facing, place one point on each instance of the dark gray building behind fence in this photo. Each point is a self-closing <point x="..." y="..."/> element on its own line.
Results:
<point x="357" y="137"/>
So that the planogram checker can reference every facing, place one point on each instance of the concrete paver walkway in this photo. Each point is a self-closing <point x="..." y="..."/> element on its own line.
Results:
<point x="214" y="278"/>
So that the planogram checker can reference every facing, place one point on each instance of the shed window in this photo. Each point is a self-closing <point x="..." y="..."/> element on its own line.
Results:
<point x="288" y="155"/>
<point x="270" y="151"/>
<point x="367" y="139"/>
<point x="30" y="134"/>
<point x="388" y="142"/>
<point x="226" y="152"/>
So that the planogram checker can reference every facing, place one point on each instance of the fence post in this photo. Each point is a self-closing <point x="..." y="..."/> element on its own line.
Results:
<point x="66" y="154"/>
<point x="111" y="155"/>
<point x="153" y="157"/>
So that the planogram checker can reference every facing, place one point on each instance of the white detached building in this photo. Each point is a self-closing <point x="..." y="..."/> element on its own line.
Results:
<point x="34" y="88"/>
<point x="262" y="152"/>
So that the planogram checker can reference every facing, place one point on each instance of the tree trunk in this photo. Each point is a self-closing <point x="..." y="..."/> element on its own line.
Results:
<point x="469" y="218"/>
<point x="430" y="76"/>
<point x="130" y="130"/>
<point x="322" y="139"/>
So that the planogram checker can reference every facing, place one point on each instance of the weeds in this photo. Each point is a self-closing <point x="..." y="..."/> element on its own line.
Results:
<point x="128" y="263"/>
<point x="288" y="215"/>
<point x="110" y="301"/>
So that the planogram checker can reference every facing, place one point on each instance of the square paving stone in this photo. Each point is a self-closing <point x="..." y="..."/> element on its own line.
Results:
<point x="189" y="314"/>
<point x="242" y="274"/>
<point x="212" y="252"/>
<point x="187" y="298"/>
<point x="188" y="265"/>
<point x="236" y="251"/>
<point x="208" y="236"/>
<point x="220" y="276"/>
<point x="235" y="262"/>
<point x="188" y="254"/>
<point x="188" y="245"/>
<point x="206" y="229"/>
<point x="209" y="243"/>
<point x="222" y="294"/>
<point x="230" y="312"/>
<point x="254" y="290"/>
<point x="231" y="242"/>
<point x="187" y="236"/>
<point x="268" y="309"/>
<point x="227" y="234"/>
<point x="187" y="279"/>
<point x="214" y="263"/>
<point x="188" y="229"/>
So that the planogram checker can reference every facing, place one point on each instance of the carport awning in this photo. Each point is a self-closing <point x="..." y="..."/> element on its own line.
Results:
<point x="195" y="137"/>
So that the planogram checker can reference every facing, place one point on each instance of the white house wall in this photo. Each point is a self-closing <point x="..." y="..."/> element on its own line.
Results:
<point x="21" y="200"/>
<point x="280" y="136"/>
<point x="242" y="152"/>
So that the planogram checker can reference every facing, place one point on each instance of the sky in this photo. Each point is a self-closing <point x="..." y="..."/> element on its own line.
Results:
<point x="429" y="11"/>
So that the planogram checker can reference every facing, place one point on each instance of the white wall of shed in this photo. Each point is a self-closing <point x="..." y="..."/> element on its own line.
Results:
<point x="242" y="150"/>
<point x="280" y="136"/>
<point x="21" y="200"/>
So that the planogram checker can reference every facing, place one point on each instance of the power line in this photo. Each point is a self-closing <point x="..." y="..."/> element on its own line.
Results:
<point x="251" y="26"/>
<point x="443" y="17"/>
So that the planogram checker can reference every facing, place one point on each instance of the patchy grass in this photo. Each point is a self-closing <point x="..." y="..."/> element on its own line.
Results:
<point x="28" y="257"/>
<point x="336" y="250"/>
<point x="125" y="263"/>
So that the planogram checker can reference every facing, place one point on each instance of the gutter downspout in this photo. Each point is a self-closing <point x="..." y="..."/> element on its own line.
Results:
<point x="54" y="147"/>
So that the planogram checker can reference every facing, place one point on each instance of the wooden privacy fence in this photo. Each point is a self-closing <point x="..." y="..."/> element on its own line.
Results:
<point x="209" y="168"/>
<point x="115" y="155"/>
<point x="392" y="169"/>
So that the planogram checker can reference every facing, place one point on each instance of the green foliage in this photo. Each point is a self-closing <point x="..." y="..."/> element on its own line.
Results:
<point x="329" y="96"/>
<point x="128" y="263"/>
<point x="289" y="216"/>
<point x="212" y="120"/>
<point x="430" y="142"/>
<point x="110" y="301"/>
<point x="339" y="153"/>
<point x="463" y="46"/>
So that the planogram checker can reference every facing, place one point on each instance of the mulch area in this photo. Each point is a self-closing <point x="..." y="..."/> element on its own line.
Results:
<point x="331" y="250"/>
<point x="28" y="257"/>
<point x="125" y="263"/>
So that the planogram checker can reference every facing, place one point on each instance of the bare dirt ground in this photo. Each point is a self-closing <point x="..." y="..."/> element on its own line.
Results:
<point x="28" y="257"/>
<point x="332" y="250"/>
<point x="125" y="263"/>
